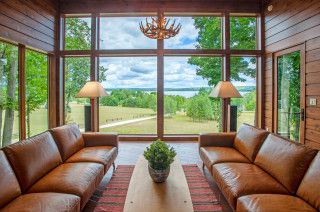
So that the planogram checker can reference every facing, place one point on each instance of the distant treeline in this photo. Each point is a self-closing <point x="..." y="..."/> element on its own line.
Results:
<point x="199" y="107"/>
<point x="240" y="88"/>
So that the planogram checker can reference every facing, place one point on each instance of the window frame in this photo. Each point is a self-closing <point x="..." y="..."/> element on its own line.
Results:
<point x="225" y="52"/>
<point x="22" y="85"/>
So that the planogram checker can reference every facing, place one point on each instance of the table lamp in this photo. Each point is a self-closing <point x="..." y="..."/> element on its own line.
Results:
<point x="92" y="90"/>
<point x="225" y="89"/>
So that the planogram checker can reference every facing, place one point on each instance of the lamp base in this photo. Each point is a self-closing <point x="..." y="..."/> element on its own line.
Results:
<point x="232" y="122"/>
<point x="87" y="118"/>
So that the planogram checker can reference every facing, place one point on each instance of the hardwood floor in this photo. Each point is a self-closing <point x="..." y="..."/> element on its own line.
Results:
<point x="129" y="153"/>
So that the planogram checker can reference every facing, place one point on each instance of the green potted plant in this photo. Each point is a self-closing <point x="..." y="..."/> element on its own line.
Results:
<point x="159" y="155"/>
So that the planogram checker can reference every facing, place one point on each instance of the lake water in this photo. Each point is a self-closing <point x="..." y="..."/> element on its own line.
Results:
<point x="186" y="94"/>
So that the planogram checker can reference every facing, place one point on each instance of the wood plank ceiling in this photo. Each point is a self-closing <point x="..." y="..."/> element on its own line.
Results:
<point x="115" y="6"/>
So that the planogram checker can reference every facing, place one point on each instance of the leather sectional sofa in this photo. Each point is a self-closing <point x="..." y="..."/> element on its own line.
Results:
<point x="258" y="171"/>
<point x="57" y="170"/>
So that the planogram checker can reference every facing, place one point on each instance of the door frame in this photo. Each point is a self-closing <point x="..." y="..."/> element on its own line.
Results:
<point x="302" y="49"/>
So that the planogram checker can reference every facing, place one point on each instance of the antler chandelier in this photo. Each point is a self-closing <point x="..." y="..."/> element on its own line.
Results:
<point x="158" y="28"/>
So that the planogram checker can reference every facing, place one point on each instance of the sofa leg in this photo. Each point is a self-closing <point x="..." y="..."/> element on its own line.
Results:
<point x="114" y="166"/>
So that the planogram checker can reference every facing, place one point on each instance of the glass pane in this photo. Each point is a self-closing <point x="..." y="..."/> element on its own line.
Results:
<point x="124" y="33"/>
<point x="187" y="85"/>
<point x="36" y="92"/>
<point x="243" y="33"/>
<point x="78" y="34"/>
<point x="131" y="107"/>
<point x="77" y="73"/>
<point x="289" y="95"/>
<point x="196" y="33"/>
<point x="243" y="77"/>
<point x="9" y="114"/>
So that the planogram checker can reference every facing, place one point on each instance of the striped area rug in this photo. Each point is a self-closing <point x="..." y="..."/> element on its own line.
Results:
<point x="114" y="196"/>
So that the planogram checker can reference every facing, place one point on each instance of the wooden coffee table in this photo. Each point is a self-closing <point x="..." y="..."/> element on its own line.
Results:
<point x="146" y="196"/>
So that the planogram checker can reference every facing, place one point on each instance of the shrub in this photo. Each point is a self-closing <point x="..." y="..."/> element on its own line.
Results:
<point x="160" y="155"/>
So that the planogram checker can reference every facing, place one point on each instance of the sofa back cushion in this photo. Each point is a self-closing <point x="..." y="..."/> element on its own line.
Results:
<point x="285" y="160"/>
<point x="309" y="189"/>
<point x="249" y="140"/>
<point x="31" y="159"/>
<point x="68" y="139"/>
<point x="9" y="185"/>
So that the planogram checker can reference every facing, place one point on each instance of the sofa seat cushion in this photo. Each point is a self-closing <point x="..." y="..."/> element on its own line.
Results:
<point x="44" y="202"/>
<point x="272" y="202"/>
<point x="213" y="155"/>
<point x="104" y="155"/>
<point x="80" y="179"/>
<point x="239" y="179"/>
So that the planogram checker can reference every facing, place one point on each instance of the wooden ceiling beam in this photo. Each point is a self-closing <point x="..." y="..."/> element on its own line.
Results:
<point x="140" y="6"/>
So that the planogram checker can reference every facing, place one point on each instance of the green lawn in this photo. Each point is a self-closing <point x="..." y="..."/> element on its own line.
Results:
<point x="178" y="124"/>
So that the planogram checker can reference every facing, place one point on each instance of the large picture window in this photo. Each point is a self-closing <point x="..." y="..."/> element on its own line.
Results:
<point x="137" y="71"/>
<point x="9" y="95"/>
<point x="36" y="92"/>
<point x="187" y="106"/>
<point x="131" y="107"/>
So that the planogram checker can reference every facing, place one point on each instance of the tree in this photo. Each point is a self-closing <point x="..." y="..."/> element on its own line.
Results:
<point x="36" y="83"/>
<point x="8" y="91"/>
<point x="199" y="108"/>
<point x="209" y="37"/>
<point x="170" y="106"/>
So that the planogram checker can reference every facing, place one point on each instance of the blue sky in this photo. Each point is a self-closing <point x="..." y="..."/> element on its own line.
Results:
<point x="136" y="72"/>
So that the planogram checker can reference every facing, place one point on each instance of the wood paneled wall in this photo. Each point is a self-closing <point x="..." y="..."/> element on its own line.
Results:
<point x="29" y="22"/>
<point x="292" y="23"/>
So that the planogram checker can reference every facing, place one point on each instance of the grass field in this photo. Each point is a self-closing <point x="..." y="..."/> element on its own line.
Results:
<point x="178" y="124"/>
<point x="38" y="123"/>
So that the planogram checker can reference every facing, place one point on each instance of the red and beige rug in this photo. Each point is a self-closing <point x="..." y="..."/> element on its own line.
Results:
<point x="114" y="196"/>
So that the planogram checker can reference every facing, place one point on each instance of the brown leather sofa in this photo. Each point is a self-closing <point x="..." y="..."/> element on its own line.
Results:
<point x="258" y="171"/>
<point x="57" y="170"/>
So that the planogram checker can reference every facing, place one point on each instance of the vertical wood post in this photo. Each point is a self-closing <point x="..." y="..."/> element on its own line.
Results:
<point x="22" y="91"/>
<point x="160" y="87"/>
<point x="226" y="69"/>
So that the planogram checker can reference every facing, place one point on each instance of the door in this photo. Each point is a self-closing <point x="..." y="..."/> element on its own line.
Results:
<point x="289" y="107"/>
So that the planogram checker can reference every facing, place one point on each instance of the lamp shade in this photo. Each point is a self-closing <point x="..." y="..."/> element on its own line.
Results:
<point x="225" y="89"/>
<point x="92" y="89"/>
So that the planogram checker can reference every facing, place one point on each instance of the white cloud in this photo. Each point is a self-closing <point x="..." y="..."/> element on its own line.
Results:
<point x="123" y="33"/>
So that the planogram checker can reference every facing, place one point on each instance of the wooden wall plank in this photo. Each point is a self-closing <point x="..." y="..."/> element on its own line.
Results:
<point x="298" y="18"/>
<point x="29" y="22"/>
<point x="292" y="23"/>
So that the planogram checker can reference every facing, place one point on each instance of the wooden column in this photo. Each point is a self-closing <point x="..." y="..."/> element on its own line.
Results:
<point x="160" y="90"/>
<point x="94" y="73"/>
<point x="52" y="106"/>
<point x="160" y="87"/>
<point x="260" y="40"/>
<point x="226" y="69"/>
<point x="22" y="91"/>
<point x="60" y="69"/>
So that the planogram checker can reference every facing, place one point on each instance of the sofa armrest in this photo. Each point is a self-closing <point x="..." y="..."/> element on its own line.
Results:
<point x="100" y="139"/>
<point x="217" y="139"/>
